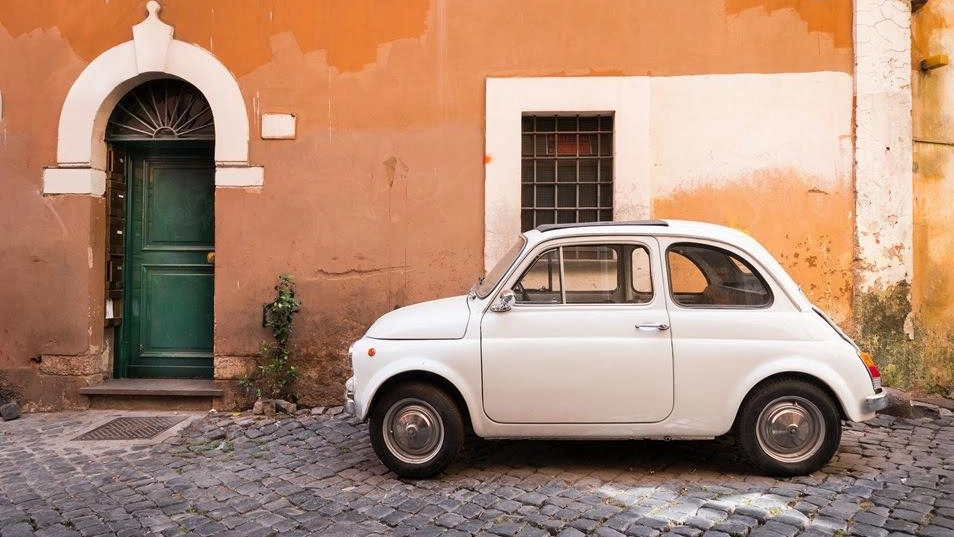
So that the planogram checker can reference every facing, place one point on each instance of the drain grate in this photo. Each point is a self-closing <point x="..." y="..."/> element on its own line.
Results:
<point x="131" y="428"/>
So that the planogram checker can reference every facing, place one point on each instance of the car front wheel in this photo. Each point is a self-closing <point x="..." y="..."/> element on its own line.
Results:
<point x="789" y="427"/>
<point x="416" y="430"/>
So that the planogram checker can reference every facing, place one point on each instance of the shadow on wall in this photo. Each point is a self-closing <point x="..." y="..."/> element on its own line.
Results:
<point x="909" y="354"/>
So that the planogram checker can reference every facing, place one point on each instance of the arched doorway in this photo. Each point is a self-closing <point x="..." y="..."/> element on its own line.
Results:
<point x="160" y="192"/>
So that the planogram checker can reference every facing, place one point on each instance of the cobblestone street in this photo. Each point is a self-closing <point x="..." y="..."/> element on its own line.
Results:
<point x="317" y="475"/>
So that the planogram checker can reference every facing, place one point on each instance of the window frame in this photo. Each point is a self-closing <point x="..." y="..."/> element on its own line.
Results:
<point x="603" y="159"/>
<point x="558" y="244"/>
<point x="529" y="266"/>
<point x="756" y="269"/>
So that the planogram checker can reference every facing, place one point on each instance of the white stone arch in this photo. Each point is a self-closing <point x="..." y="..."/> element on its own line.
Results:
<point x="153" y="53"/>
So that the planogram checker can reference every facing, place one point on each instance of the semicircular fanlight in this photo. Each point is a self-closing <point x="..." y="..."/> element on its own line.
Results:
<point x="164" y="109"/>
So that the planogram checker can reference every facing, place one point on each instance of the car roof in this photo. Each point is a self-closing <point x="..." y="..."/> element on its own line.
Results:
<point x="669" y="228"/>
<point x="676" y="228"/>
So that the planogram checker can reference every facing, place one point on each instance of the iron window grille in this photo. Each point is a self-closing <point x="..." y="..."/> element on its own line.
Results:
<point x="163" y="109"/>
<point x="567" y="169"/>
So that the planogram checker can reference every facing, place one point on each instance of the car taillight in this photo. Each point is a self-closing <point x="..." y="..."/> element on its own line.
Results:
<point x="872" y="370"/>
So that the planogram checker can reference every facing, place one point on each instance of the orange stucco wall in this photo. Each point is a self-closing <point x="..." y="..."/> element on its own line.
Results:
<point x="933" y="92"/>
<point x="379" y="200"/>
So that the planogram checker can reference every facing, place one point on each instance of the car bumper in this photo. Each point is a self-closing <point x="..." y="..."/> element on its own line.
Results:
<point x="349" y="406"/>
<point x="874" y="403"/>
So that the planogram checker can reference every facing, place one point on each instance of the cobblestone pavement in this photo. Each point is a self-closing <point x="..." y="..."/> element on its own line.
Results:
<point x="316" y="475"/>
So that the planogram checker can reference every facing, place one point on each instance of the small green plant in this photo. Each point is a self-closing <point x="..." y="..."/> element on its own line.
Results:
<point x="275" y="375"/>
<point x="194" y="510"/>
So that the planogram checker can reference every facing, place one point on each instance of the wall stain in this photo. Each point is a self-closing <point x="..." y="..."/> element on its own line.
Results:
<point x="832" y="17"/>
<point x="394" y="168"/>
<point x="237" y="31"/>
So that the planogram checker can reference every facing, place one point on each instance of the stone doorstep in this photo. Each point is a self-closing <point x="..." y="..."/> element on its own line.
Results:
<point x="153" y="394"/>
<point x="155" y="388"/>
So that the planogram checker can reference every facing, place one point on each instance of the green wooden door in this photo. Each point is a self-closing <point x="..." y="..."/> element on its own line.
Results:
<point x="168" y="326"/>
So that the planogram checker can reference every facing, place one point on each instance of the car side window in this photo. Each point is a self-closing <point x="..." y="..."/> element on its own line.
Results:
<point x="706" y="276"/>
<point x="592" y="274"/>
<point x="541" y="283"/>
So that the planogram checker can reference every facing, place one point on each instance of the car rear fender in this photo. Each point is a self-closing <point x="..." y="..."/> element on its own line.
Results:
<point x="848" y="394"/>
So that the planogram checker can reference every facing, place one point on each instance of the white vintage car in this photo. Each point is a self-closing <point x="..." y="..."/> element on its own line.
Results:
<point x="656" y="329"/>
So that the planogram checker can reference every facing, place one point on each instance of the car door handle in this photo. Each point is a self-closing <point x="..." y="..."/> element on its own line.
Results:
<point x="653" y="326"/>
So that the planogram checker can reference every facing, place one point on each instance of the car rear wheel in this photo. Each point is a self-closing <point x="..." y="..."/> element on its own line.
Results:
<point x="789" y="427"/>
<point x="416" y="430"/>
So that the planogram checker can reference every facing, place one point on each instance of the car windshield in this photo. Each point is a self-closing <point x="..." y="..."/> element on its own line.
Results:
<point x="487" y="283"/>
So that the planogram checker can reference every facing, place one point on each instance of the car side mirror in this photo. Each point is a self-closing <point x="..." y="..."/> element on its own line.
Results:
<point x="504" y="302"/>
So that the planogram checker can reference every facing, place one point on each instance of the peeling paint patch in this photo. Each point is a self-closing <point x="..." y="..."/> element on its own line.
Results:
<point x="350" y="33"/>
<point x="883" y="161"/>
<point x="831" y="18"/>
<point x="772" y="206"/>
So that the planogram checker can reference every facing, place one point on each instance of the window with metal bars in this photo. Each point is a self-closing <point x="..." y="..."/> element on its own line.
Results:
<point x="567" y="169"/>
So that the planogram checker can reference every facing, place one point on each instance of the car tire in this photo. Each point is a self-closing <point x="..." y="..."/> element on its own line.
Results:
<point x="789" y="427"/>
<point x="416" y="430"/>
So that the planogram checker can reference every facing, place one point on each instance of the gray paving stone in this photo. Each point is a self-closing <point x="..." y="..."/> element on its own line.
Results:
<point x="16" y="529"/>
<point x="642" y="531"/>
<point x="316" y="474"/>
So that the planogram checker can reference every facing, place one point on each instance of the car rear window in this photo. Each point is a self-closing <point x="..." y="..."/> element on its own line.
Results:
<point x="704" y="276"/>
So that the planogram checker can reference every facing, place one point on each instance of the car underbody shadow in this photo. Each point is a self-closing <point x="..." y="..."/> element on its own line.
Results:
<point x="645" y="457"/>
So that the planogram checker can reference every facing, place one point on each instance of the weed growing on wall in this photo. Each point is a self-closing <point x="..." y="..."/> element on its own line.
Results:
<point x="923" y="362"/>
<point x="275" y="375"/>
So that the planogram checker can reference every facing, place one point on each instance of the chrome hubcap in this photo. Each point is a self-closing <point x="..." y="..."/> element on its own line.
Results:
<point x="413" y="431"/>
<point x="790" y="429"/>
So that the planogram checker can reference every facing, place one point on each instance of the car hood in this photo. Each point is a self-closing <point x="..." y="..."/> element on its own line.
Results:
<point x="436" y="319"/>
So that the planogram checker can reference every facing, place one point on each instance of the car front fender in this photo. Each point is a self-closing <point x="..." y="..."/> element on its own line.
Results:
<point x="425" y="358"/>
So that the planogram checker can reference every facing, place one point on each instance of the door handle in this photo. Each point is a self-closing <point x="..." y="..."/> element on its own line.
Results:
<point x="210" y="257"/>
<point x="653" y="326"/>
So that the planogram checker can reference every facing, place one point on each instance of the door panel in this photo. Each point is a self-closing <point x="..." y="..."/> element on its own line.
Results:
<point x="169" y="326"/>
<point x="582" y="364"/>
<point x="576" y="363"/>
<point x="178" y="208"/>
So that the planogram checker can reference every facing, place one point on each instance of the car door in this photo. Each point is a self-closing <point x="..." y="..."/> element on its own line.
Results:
<point x="729" y="319"/>
<point x="586" y="341"/>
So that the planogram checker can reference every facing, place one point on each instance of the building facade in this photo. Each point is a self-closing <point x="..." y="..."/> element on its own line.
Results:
<point x="165" y="162"/>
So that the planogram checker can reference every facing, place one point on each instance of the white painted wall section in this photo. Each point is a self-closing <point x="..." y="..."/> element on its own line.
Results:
<point x="711" y="130"/>
<point x="241" y="176"/>
<point x="676" y="134"/>
<point x="278" y="126"/>
<point x="74" y="181"/>
<point x="883" y="147"/>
